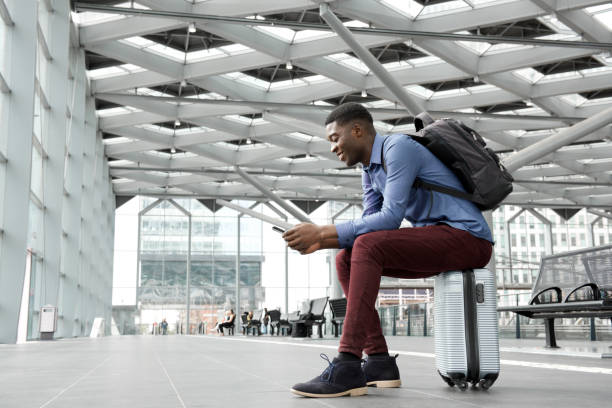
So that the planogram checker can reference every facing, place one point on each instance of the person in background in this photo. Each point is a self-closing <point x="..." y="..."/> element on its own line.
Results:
<point x="265" y="321"/>
<point x="164" y="327"/>
<point x="230" y="317"/>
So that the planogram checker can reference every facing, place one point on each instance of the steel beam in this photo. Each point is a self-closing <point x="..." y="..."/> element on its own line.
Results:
<point x="255" y="214"/>
<point x="264" y="190"/>
<point x="410" y="103"/>
<point x="4" y="88"/>
<point x="189" y="16"/>
<point x="5" y="15"/>
<point x="552" y="143"/>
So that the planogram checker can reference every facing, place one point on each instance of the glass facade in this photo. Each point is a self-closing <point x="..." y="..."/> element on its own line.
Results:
<point x="56" y="198"/>
<point x="521" y="240"/>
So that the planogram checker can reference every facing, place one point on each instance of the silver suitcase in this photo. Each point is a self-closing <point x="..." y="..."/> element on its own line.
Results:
<point x="465" y="328"/>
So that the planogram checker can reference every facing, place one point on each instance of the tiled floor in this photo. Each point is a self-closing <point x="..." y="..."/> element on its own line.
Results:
<point x="210" y="371"/>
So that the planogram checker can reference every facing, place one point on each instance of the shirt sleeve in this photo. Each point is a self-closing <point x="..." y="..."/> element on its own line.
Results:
<point x="403" y="161"/>
<point x="372" y="202"/>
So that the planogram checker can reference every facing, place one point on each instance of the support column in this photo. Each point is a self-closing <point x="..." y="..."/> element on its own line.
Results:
<point x="237" y="310"/>
<point x="20" y="48"/>
<point x="488" y="216"/>
<point x="70" y="268"/>
<point x="55" y="131"/>
<point x="286" y="284"/>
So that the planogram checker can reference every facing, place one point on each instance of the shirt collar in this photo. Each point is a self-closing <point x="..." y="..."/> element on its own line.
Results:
<point x="376" y="150"/>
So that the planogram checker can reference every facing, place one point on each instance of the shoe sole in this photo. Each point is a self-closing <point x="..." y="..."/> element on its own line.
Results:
<point x="355" y="392"/>
<point x="385" y="384"/>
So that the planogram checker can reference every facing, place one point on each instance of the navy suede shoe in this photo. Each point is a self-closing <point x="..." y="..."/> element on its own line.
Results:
<point x="339" y="378"/>
<point x="382" y="372"/>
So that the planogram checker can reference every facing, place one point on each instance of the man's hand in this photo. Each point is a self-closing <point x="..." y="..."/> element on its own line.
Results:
<point x="304" y="238"/>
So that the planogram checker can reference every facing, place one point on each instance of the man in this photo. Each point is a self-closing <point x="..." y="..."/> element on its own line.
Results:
<point x="448" y="233"/>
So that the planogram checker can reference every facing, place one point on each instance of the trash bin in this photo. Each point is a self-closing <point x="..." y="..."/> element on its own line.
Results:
<point x="48" y="322"/>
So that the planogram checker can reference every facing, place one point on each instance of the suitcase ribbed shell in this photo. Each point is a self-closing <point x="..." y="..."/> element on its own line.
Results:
<point x="449" y="326"/>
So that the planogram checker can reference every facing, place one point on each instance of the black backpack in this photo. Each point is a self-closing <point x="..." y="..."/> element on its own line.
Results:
<point x="464" y="152"/>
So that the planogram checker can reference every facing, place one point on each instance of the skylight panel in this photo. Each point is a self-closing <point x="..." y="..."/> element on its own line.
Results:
<point x="407" y="8"/>
<point x="281" y="33"/>
<point x="381" y="103"/>
<point x="504" y="47"/>
<point x="528" y="74"/>
<point x="603" y="14"/>
<point x="391" y="66"/>
<point x="300" y="136"/>
<point x="156" y="48"/>
<point x="450" y="92"/>
<point x="316" y="79"/>
<point x="598" y="101"/>
<point x="478" y="47"/>
<point x="355" y="23"/>
<point x="247" y="79"/>
<point x="574" y="100"/>
<point x="420" y="91"/>
<point x="210" y="95"/>
<point x="116" y="140"/>
<point x="350" y="62"/>
<point x="481" y="88"/>
<point x="104" y="113"/>
<point x="423" y="61"/>
<point x="167" y="52"/>
<point x="310" y="35"/>
<point x="236" y="49"/>
<point x="147" y="91"/>
<point x="139" y="42"/>
<point x="114" y="71"/>
<point x="290" y="83"/>
<point x="206" y="54"/>
<point x="87" y="18"/>
<point x="105" y="72"/>
<point x="238" y="118"/>
<point x="561" y="75"/>
<point x="554" y="23"/>
<point x="444" y="8"/>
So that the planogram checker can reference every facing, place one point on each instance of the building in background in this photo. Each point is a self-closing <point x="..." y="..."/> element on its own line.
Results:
<point x="161" y="249"/>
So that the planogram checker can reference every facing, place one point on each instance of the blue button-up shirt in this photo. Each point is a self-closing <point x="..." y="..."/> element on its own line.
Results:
<point x="388" y="197"/>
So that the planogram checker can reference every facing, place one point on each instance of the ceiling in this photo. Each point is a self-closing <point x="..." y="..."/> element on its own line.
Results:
<point x="180" y="107"/>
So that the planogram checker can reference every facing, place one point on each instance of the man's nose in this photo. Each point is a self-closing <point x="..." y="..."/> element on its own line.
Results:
<point x="334" y="147"/>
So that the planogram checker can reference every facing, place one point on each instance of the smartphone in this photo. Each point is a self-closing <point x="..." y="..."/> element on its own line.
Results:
<point x="278" y="229"/>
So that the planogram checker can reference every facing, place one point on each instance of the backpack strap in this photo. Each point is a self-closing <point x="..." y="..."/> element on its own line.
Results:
<point x="418" y="183"/>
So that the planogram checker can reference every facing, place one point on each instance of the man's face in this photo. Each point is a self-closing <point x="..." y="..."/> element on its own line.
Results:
<point x="344" y="142"/>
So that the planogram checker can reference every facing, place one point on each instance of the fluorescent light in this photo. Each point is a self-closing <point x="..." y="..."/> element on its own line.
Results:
<point x="364" y="93"/>
<point x="173" y="150"/>
<point x="177" y="123"/>
<point x="289" y="65"/>
<point x="192" y="28"/>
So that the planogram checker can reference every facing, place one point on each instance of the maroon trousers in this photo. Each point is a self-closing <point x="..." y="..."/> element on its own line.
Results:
<point x="409" y="253"/>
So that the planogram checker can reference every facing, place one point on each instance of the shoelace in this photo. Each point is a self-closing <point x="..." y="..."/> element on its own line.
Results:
<point x="327" y="374"/>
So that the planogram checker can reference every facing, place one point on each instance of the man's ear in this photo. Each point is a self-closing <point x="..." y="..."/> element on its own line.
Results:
<point x="357" y="130"/>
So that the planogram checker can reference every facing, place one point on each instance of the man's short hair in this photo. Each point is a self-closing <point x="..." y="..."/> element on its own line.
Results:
<point x="348" y="112"/>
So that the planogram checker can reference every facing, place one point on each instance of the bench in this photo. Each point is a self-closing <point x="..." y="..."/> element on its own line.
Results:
<point x="286" y="320"/>
<point x="338" y="309"/>
<point x="314" y="317"/>
<point x="572" y="284"/>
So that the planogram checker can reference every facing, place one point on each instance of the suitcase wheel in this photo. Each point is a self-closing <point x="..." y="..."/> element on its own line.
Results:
<point x="461" y="384"/>
<point x="447" y="380"/>
<point x="485" y="384"/>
